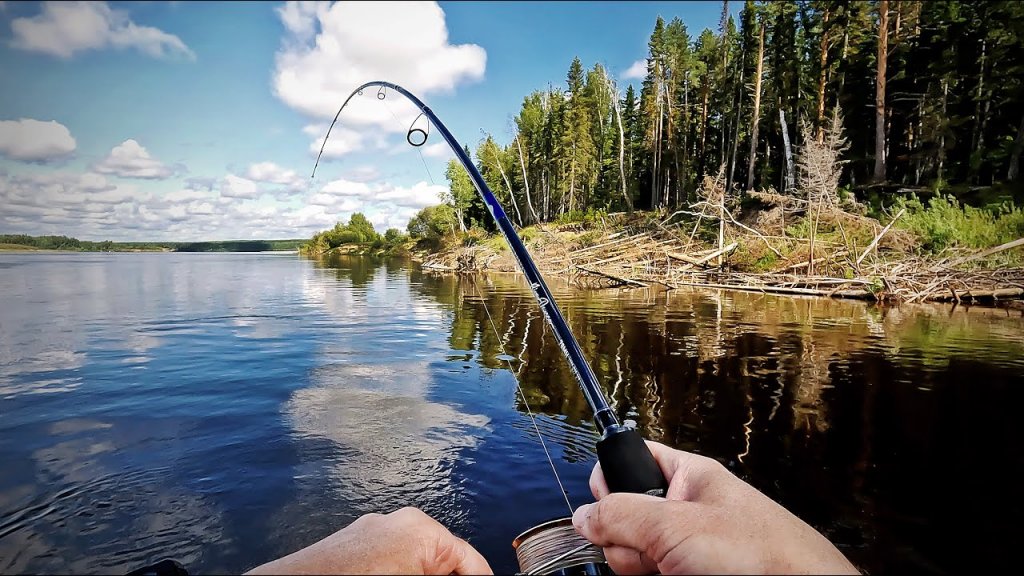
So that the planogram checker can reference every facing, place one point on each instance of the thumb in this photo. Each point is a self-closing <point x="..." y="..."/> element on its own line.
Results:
<point x="650" y="525"/>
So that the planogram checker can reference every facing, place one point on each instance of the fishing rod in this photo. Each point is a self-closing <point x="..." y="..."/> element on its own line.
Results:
<point x="627" y="463"/>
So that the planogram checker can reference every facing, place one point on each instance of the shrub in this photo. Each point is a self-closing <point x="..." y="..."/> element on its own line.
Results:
<point x="474" y="236"/>
<point x="588" y="217"/>
<point x="944" y="223"/>
<point x="430" y="225"/>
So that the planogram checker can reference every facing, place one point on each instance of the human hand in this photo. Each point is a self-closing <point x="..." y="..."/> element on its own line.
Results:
<point x="710" y="522"/>
<point x="403" y="542"/>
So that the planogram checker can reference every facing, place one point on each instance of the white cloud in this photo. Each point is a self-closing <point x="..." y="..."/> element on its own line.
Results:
<point x="329" y="50"/>
<point x="237" y="187"/>
<point x="64" y="28"/>
<point x="438" y="150"/>
<point x="384" y="204"/>
<point x="271" y="173"/>
<point x="35" y="141"/>
<point x="363" y="174"/>
<point x="130" y="159"/>
<point x="636" y="71"/>
<point x="185" y="196"/>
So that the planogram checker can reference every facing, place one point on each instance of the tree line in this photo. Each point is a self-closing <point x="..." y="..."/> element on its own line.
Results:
<point x="55" y="242"/>
<point x="927" y="94"/>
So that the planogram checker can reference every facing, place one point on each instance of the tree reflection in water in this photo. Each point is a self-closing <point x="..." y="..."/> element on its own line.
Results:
<point x="851" y="415"/>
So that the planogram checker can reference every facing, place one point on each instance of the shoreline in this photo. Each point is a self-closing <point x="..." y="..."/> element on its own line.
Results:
<point x="637" y="257"/>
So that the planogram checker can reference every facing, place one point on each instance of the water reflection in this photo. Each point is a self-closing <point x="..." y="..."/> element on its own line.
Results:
<point x="226" y="409"/>
<point x="835" y="408"/>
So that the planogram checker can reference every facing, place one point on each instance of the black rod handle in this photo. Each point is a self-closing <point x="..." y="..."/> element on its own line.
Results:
<point x="628" y="464"/>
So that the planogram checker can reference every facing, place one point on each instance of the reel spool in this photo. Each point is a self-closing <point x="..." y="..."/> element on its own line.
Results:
<point x="555" y="548"/>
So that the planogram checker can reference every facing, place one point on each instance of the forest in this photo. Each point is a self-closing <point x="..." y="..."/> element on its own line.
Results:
<point x="70" y="244"/>
<point x="925" y="98"/>
<point x="820" y="147"/>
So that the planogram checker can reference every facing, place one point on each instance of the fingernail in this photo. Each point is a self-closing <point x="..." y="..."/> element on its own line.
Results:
<point x="581" y="515"/>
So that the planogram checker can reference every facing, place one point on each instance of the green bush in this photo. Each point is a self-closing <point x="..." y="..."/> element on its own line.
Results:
<point x="944" y="223"/>
<point x="474" y="236"/>
<point x="588" y="217"/>
<point x="430" y="225"/>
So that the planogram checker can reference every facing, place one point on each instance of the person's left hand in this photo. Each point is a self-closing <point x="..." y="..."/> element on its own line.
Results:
<point x="403" y="542"/>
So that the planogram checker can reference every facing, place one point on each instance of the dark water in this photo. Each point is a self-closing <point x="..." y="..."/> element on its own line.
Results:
<point x="226" y="409"/>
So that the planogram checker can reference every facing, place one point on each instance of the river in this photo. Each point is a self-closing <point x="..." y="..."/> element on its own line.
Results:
<point x="227" y="409"/>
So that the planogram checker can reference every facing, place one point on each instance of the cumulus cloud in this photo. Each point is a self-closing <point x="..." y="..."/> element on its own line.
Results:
<point x="271" y="173"/>
<point x="636" y="71"/>
<point x="64" y="28"/>
<point x="384" y="204"/>
<point x="93" y="206"/>
<point x="328" y="50"/>
<point x="130" y="159"/>
<point x="438" y="150"/>
<point x="365" y="173"/>
<point x="59" y="200"/>
<point x="35" y="141"/>
<point x="237" y="187"/>
<point x="201" y="183"/>
<point x="342" y="141"/>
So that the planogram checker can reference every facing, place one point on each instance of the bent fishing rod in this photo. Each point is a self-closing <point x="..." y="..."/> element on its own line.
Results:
<point x="627" y="463"/>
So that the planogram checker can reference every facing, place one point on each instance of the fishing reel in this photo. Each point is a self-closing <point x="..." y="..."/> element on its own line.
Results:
<point x="555" y="548"/>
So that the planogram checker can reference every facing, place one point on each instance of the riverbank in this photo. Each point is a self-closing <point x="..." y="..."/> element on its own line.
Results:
<point x="843" y="255"/>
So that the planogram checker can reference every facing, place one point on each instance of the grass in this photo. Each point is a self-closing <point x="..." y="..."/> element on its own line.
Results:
<point x="944" y="223"/>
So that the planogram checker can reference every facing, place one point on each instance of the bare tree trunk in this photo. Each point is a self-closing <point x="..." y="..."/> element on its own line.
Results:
<point x="686" y="133"/>
<point x="1013" y="172"/>
<point x="721" y="225"/>
<point x="526" y="181"/>
<point x="656" y="174"/>
<point x="788" y="150"/>
<point x="739" y="115"/>
<point x="942" y="133"/>
<point x="703" y="125"/>
<point x="978" y="134"/>
<point x="572" y="182"/>
<point x="622" y="155"/>
<point x="822" y="76"/>
<point x="511" y="194"/>
<point x="547" y="195"/>
<point x="757" y="110"/>
<point x="883" y="50"/>
<point x="842" y="61"/>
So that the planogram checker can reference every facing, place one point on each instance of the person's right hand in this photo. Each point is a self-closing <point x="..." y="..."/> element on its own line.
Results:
<point x="710" y="522"/>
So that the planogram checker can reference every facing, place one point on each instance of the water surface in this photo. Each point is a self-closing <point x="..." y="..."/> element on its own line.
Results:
<point x="226" y="409"/>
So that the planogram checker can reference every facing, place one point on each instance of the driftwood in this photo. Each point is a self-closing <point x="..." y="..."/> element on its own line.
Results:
<point x="611" y="277"/>
<point x="861" y="294"/>
<point x="989" y="252"/>
<point x="879" y="236"/>
<point x="702" y="261"/>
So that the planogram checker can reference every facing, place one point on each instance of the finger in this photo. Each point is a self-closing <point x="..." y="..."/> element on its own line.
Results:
<point x="668" y="460"/>
<point x="456" y="556"/>
<point x="598" y="485"/>
<point x="624" y="560"/>
<point x="648" y="524"/>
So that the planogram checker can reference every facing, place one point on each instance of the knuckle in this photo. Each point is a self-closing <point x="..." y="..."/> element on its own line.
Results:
<point x="407" y="513"/>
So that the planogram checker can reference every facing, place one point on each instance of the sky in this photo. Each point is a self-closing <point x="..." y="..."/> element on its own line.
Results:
<point x="187" y="121"/>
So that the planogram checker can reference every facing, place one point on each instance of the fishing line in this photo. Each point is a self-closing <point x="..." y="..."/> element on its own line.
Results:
<point x="628" y="464"/>
<point x="519" y="387"/>
<point x="382" y="96"/>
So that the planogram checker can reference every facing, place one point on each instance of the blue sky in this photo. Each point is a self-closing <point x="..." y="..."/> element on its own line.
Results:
<point x="197" y="121"/>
